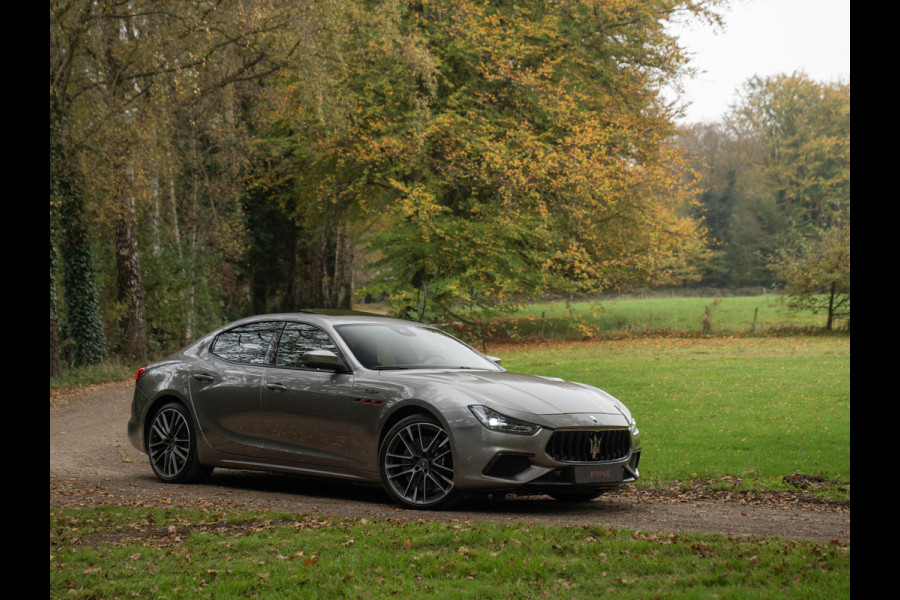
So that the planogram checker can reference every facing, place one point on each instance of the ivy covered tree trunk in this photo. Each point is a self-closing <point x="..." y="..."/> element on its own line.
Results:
<point x="54" y="332"/>
<point x="54" y="345"/>
<point x="54" y="260"/>
<point x="83" y="327"/>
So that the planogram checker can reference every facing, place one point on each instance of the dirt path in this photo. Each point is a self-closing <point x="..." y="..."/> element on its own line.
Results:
<point x="92" y="463"/>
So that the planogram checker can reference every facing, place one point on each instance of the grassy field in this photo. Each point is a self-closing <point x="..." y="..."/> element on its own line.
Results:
<point x="672" y="315"/>
<point x="122" y="553"/>
<point x="757" y="409"/>
<point x="737" y="412"/>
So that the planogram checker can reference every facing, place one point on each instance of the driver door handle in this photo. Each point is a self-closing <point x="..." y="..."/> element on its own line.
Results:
<point x="276" y="386"/>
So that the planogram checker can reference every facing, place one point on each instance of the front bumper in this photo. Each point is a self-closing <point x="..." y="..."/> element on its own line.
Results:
<point x="580" y="455"/>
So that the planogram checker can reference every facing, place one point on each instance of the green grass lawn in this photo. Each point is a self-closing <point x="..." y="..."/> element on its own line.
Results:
<point x="753" y="408"/>
<point x="130" y="553"/>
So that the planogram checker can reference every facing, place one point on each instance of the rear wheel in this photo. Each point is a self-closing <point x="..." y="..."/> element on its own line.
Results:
<point x="416" y="462"/>
<point x="172" y="447"/>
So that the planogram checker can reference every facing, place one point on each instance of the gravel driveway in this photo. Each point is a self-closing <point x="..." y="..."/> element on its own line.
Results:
<point x="92" y="463"/>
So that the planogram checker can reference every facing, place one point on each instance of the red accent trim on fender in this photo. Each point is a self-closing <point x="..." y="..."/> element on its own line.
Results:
<point x="369" y="402"/>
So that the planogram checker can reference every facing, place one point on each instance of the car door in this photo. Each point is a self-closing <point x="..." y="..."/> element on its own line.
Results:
<point x="304" y="410"/>
<point x="225" y="387"/>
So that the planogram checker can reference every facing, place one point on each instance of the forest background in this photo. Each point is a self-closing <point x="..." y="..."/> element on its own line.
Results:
<point x="453" y="159"/>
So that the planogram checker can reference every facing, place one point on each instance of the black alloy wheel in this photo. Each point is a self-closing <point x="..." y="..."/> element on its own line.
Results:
<point x="171" y="446"/>
<point x="416" y="462"/>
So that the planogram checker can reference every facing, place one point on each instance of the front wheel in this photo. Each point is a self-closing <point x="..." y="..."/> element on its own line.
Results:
<point x="416" y="462"/>
<point x="172" y="447"/>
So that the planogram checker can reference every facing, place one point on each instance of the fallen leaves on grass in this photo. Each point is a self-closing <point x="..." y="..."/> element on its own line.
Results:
<point x="706" y="490"/>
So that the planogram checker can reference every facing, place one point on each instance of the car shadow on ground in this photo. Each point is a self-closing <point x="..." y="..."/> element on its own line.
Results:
<point x="298" y="485"/>
<point x="339" y="491"/>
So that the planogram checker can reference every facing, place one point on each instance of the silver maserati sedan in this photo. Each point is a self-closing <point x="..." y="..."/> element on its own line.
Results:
<point x="373" y="399"/>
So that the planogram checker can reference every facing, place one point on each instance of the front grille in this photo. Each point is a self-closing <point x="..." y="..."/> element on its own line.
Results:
<point x="589" y="446"/>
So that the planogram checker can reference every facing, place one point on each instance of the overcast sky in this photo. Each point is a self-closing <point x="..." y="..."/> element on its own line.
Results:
<point x="763" y="37"/>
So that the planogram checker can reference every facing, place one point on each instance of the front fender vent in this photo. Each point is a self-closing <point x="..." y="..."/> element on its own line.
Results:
<point x="600" y="445"/>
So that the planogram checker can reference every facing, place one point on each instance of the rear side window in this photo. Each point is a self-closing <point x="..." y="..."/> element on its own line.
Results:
<point x="298" y="338"/>
<point x="246" y="344"/>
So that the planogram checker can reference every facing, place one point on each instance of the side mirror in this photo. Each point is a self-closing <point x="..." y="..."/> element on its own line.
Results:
<point x="494" y="359"/>
<point x="323" y="359"/>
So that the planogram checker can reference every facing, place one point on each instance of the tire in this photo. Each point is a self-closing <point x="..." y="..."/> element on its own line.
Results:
<point x="416" y="464"/>
<point x="172" y="446"/>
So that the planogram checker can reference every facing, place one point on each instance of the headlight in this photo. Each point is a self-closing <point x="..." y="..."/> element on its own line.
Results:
<point x="633" y="427"/>
<point x="497" y="422"/>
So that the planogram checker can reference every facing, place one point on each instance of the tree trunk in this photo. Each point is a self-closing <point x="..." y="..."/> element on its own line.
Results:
<point x="130" y="286"/>
<point x="830" y="322"/>
<point x="309" y="289"/>
<point x="319" y="272"/>
<point x="342" y="280"/>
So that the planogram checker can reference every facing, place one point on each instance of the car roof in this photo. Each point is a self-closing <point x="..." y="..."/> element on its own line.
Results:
<point x="326" y="315"/>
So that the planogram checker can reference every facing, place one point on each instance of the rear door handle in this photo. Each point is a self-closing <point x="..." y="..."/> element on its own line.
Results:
<point x="202" y="376"/>
<point x="275" y="386"/>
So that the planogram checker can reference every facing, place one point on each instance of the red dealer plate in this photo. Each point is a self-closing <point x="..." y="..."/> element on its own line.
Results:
<point x="600" y="474"/>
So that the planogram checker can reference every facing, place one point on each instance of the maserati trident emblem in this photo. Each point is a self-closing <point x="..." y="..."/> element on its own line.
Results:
<point x="595" y="446"/>
<point x="594" y="419"/>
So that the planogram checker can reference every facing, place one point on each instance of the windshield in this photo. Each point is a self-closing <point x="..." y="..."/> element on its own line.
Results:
<point x="397" y="346"/>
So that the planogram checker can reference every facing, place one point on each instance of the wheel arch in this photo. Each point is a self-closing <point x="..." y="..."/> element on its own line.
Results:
<point x="415" y="477"/>
<point x="407" y="410"/>
<point x="155" y="405"/>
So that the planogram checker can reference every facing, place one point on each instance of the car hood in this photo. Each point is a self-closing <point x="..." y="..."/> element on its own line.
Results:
<point x="503" y="390"/>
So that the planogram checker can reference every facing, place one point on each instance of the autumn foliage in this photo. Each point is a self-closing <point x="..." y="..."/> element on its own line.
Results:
<point x="505" y="150"/>
<point x="240" y="157"/>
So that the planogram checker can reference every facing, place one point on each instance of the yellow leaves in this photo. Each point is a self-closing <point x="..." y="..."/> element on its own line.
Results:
<point x="417" y="204"/>
<point x="526" y="169"/>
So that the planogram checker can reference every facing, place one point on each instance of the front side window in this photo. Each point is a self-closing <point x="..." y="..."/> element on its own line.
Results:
<point x="299" y="338"/>
<point x="247" y="343"/>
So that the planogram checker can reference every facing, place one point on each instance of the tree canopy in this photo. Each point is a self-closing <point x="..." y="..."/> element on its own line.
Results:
<point x="777" y="198"/>
<point x="504" y="149"/>
<point x="804" y="129"/>
<point x="233" y="156"/>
